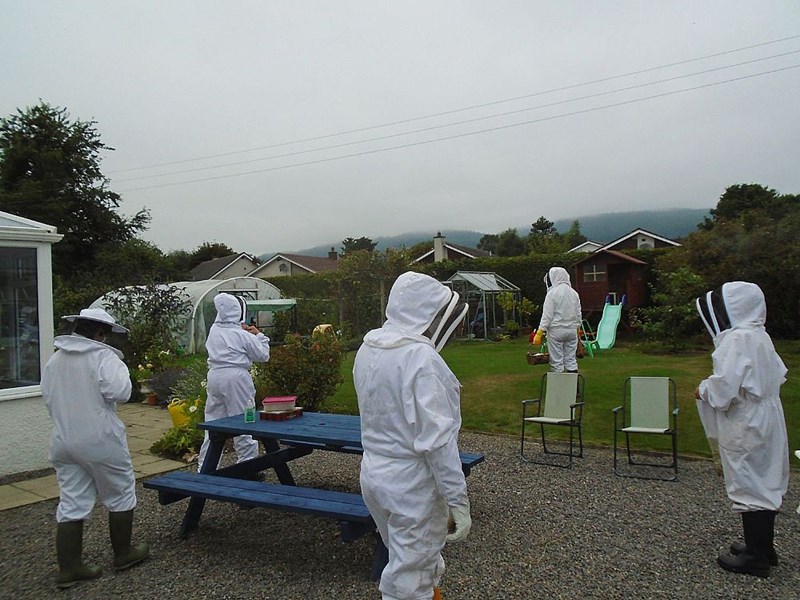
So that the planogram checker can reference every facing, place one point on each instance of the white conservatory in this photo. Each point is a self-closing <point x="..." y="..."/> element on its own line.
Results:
<point x="26" y="341"/>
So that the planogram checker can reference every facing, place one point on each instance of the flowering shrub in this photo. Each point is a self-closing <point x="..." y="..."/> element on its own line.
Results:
<point x="184" y="441"/>
<point x="309" y="368"/>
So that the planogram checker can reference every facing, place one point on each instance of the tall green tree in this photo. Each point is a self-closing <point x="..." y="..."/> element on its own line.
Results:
<point x="352" y="244"/>
<point x="509" y="243"/>
<point x="50" y="172"/>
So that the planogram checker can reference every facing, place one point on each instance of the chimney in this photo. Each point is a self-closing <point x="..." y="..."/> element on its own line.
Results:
<point x="439" y="252"/>
<point x="332" y="254"/>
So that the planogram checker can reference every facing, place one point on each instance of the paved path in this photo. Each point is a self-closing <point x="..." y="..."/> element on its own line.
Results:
<point x="145" y="423"/>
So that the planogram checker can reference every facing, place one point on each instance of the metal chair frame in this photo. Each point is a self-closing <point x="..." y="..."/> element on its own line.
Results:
<point x="625" y="421"/>
<point x="554" y="410"/>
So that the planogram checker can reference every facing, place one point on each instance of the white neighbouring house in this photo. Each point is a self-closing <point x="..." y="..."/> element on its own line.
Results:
<point x="26" y="341"/>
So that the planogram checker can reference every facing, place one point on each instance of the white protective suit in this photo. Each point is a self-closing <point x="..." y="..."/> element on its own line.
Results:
<point x="561" y="318"/>
<point x="411" y="472"/>
<point x="82" y="384"/>
<point x="739" y="404"/>
<point x="231" y="352"/>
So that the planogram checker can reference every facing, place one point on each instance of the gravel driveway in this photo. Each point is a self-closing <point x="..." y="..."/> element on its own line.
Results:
<point x="538" y="532"/>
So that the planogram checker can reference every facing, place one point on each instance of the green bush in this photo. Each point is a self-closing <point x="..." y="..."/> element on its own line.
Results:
<point x="306" y="367"/>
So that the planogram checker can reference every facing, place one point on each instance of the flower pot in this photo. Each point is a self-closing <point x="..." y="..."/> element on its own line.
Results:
<point x="145" y="386"/>
<point x="152" y="400"/>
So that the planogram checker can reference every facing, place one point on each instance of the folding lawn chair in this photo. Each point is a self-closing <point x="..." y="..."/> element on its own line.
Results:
<point x="650" y="406"/>
<point x="560" y="402"/>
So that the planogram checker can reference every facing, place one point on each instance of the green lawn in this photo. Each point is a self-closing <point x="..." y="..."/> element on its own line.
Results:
<point x="496" y="378"/>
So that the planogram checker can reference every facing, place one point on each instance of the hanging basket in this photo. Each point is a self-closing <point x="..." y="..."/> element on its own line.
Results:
<point x="537" y="358"/>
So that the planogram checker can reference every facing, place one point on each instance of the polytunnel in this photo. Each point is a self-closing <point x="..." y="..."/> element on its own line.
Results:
<point x="262" y="299"/>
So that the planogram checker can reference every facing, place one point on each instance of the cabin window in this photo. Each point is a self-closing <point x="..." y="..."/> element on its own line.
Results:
<point x="592" y="273"/>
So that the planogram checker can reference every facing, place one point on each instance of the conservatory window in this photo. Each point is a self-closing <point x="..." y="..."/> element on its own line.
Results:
<point x="594" y="273"/>
<point x="19" y="318"/>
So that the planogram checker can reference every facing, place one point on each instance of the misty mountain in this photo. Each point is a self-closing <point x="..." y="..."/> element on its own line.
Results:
<point x="672" y="223"/>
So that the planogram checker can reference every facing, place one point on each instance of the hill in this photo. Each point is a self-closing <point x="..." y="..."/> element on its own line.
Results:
<point x="673" y="223"/>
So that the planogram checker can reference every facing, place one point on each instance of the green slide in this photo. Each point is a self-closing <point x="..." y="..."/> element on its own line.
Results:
<point x="606" y="333"/>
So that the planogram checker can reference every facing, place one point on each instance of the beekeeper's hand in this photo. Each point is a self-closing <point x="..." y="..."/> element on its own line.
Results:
<point x="539" y="337"/>
<point x="461" y="521"/>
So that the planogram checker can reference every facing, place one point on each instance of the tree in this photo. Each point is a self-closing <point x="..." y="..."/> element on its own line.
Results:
<point x="739" y="199"/>
<point x="543" y="227"/>
<point x="488" y="243"/>
<point x="208" y="251"/>
<point x="50" y="172"/>
<point x="510" y="244"/>
<point x="362" y="243"/>
<point x="573" y="237"/>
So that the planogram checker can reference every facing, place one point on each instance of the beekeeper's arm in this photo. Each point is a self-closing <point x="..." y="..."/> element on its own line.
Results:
<point x="436" y="439"/>
<point x="731" y="365"/>
<point x="115" y="379"/>
<point x="257" y="347"/>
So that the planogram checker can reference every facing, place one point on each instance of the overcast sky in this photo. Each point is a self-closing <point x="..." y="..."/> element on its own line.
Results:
<point x="276" y="126"/>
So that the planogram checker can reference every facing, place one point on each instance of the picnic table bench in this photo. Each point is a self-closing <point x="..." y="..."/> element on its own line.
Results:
<point x="284" y="442"/>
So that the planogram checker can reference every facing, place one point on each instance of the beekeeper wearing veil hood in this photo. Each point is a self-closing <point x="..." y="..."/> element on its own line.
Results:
<point x="408" y="398"/>
<point x="233" y="347"/>
<point x="561" y="318"/>
<point x="741" y="409"/>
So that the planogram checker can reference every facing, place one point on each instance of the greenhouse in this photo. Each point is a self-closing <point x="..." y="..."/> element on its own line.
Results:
<point x="262" y="299"/>
<point x="480" y="290"/>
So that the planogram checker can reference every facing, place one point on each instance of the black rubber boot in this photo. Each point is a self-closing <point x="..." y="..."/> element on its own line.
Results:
<point x="120" y="527"/>
<point x="69" y="549"/>
<point x="758" y="531"/>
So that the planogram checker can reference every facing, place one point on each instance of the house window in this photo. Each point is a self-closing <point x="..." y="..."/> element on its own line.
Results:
<point x="283" y="267"/>
<point x="19" y="318"/>
<point x="592" y="273"/>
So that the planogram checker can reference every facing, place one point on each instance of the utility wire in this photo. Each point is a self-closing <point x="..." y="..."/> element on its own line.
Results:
<point x="471" y="133"/>
<point x="454" y="123"/>
<point x="457" y="110"/>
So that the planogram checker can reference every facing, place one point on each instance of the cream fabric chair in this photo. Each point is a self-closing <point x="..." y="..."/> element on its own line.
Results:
<point x="650" y="407"/>
<point x="560" y="403"/>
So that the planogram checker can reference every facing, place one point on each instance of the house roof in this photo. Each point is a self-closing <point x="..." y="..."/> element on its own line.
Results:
<point x="465" y="251"/>
<point x="210" y="268"/>
<point x="635" y="232"/>
<point x="587" y="246"/>
<point x="313" y="264"/>
<point x="616" y="254"/>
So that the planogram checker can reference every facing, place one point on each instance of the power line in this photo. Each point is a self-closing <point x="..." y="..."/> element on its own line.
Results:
<point x="455" y="123"/>
<point x="457" y="110"/>
<point x="471" y="133"/>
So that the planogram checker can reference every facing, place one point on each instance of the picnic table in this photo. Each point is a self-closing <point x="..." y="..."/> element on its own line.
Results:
<point x="284" y="441"/>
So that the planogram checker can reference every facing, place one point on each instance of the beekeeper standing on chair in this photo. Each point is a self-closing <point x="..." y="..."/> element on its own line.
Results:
<point x="408" y="398"/>
<point x="561" y="319"/>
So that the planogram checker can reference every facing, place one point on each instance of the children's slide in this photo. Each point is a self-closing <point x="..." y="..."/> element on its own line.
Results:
<point x="607" y="328"/>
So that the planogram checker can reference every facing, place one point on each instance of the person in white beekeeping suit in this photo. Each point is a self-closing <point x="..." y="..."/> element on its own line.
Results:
<point x="233" y="347"/>
<point x="408" y="398"/>
<point x="740" y="407"/>
<point x="82" y="384"/>
<point x="561" y="319"/>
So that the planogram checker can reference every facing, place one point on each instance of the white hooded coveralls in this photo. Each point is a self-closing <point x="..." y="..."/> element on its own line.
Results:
<point x="231" y="353"/>
<point x="410" y="416"/>
<point x="561" y="318"/>
<point x="82" y="384"/>
<point x="740" y="405"/>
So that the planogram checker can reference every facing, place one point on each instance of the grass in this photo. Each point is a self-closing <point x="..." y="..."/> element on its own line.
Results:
<point x="496" y="378"/>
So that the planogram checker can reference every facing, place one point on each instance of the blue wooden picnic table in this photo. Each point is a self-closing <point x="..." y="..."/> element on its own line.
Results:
<point x="284" y="441"/>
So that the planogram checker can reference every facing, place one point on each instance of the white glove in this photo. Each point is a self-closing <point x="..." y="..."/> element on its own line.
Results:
<point x="462" y="521"/>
